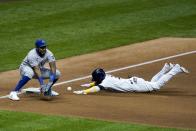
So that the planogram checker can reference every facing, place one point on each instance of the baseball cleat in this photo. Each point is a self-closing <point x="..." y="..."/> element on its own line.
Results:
<point x="171" y="65"/>
<point x="13" y="96"/>
<point x="166" y="68"/>
<point x="179" y="69"/>
<point x="54" y="93"/>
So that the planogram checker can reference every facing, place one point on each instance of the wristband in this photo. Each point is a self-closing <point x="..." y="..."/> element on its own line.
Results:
<point x="41" y="80"/>
<point x="92" y="84"/>
<point x="52" y="77"/>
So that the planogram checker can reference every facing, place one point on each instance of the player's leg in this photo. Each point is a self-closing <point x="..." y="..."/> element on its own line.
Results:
<point x="164" y="70"/>
<point x="26" y="75"/>
<point x="21" y="83"/>
<point x="174" y="71"/>
<point x="136" y="84"/>
<point x="145" y="86"/>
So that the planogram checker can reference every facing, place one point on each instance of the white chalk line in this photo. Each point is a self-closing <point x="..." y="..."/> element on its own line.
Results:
<point x="4" y="96"/>
<point x="120" y="69"/>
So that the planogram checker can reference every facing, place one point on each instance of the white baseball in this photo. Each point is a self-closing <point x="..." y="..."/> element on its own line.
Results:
<point x="69" y="88"/>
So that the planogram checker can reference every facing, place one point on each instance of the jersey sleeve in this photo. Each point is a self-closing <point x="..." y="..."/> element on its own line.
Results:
<point x="51" y="57"/>
<point x="105" y="83"/>
<point x="32" y="60"/>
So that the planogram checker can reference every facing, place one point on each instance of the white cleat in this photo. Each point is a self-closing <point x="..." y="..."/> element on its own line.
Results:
<point x="54" y="93"/>
<point x="13" y="96"/>
<point x="180" y="69"/>
<point x="166" y="68"/>
<point x="171" y="65"/>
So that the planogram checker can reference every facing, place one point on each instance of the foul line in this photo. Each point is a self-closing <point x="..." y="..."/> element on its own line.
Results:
<point x="119" y="69"/>
<point x="127" y="67"/>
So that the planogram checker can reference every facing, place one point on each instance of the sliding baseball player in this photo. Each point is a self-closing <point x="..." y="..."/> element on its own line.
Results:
<point x="103" y="81"/>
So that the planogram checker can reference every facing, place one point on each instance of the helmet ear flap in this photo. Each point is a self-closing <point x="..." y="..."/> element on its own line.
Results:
<point x="98" y="75"/>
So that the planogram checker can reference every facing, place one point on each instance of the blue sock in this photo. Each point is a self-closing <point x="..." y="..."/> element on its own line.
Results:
<point x="55" y="80"/>
<point x="21" y="83"/>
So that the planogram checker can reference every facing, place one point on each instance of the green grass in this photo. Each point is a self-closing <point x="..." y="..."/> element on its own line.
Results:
<point x="19" y="121"/>
<point x="74" y="27"/>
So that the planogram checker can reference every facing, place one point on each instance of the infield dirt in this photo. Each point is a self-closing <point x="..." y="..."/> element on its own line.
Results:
<point x="172" y="106"/>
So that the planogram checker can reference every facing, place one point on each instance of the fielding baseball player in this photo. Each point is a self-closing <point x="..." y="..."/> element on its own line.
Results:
<point x="103" y="81"/>
<point x="33" y="67"/>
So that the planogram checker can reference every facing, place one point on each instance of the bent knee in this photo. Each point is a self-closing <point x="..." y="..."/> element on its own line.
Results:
<point x="29" y="74"/>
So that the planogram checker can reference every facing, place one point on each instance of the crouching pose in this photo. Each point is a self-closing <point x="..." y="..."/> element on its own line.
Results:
<point x="103" y="81"/>
<point x="33" y="67"/>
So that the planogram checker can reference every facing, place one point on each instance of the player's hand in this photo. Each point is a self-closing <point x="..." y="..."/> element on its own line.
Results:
<point x="86" y="85"/>
<point x="80" y="92"/>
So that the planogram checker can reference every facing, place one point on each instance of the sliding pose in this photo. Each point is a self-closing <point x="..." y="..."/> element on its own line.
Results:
<point x="103" y="81"/>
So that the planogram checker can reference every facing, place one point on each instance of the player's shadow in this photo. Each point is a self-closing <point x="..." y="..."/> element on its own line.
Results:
<point x="158" y="93"/>
<point x="36" y="96"/>
<point x="175" y="93"/>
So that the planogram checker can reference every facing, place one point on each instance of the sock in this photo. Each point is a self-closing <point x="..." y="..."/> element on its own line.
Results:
<point x="55" y="80"/>
<point x="21" y="83"/>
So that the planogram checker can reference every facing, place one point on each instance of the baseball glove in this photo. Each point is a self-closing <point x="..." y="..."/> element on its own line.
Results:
<point x="46" y="89"/>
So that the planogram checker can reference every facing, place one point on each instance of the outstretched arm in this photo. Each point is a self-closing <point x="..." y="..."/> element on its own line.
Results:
<point x="88" y="84"/>
<point x="93" y="89"/>
<point x="39" y="77"/>
<point x="53" y="70"/>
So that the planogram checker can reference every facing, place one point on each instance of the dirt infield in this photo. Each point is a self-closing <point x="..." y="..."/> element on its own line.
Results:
<point x="172" y="106"/>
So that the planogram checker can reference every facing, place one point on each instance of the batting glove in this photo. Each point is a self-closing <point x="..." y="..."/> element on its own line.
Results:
<point x="86" y="85"/>
<point x="81" y="92"/>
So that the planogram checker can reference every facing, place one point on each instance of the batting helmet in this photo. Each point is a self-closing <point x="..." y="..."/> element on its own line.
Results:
<point x="40" y="43"/>
<point x="98" y="75"/>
